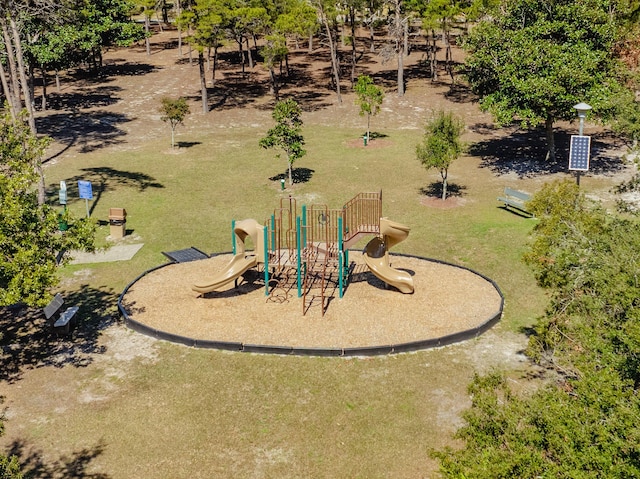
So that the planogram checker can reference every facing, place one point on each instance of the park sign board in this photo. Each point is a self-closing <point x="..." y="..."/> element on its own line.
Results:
<point x="84" y="188"/>
<point x="579" y="153"/>
<point x="62" y="194"/>
<point x="85" y="191"/>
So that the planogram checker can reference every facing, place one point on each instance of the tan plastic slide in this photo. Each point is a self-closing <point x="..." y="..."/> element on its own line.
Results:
<point x="376" y="255"/>
<point x="242" y="260"/>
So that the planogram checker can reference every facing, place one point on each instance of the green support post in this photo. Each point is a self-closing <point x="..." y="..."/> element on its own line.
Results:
<point x="233" y="236"/>
<point x="266" y="262"/>
<point x="299" y="259"/>
<point x="304" y="224"/>
<point x="340" y="259"/>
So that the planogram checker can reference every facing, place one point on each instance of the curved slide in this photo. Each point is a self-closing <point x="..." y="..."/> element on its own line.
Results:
<point x="240" y="262"/>
<point x="234" y="269"/>
<point x="376" y="256"/>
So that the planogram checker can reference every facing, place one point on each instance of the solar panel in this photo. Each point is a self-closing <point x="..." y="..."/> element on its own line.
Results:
<point x="579" y="153"/>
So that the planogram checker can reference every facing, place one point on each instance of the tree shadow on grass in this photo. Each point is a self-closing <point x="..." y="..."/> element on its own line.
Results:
<point x="74" y="466"/>
<point x="101" y="96"/>
<point x="523" y="152"/>
<point x="460" y="93"/>
<point x="105" y="179"/>
<point x="187" y="144"/>
<point x="435" y="190"/>
<point x="92" y="130"/>
<point x="298" y="175"/>
<point x="28" y="342"/>
<point x="375" y="135"/>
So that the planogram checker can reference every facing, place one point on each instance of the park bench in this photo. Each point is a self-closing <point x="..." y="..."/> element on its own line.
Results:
<point x="60" y="322"/>
<point x="516" y="199"/>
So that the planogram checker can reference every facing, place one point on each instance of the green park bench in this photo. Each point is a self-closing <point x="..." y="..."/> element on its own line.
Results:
<point x="516" y="199"/>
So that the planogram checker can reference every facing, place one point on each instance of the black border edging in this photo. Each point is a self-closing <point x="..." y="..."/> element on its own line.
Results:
<point x="223" y="345"/>
<point x="320" y="352"/>
<point x="368" y="351"/>
<point x="258" y="348"/>
<point x="323" y="352"/>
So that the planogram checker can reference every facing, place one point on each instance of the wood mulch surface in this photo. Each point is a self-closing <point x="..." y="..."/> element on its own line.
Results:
<point x="447" y="300"/>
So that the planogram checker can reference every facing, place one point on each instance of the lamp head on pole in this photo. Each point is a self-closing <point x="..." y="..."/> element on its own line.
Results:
<point x="582" y="109"/>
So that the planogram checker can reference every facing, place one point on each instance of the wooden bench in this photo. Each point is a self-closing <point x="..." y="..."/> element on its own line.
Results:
<point x="59" y="322"/>
<point x="516" y="199"/>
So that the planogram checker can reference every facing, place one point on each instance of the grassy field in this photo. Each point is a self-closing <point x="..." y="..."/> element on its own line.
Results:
<point x="176" y="200"/>
<point x="169" y="411"/>
<point x="112" y="404"/>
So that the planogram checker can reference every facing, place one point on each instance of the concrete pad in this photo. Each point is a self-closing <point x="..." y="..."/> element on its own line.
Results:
<point x="115" y="253"/>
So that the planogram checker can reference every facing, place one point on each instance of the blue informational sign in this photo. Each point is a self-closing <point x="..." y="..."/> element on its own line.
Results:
<point x="84" y="187"/>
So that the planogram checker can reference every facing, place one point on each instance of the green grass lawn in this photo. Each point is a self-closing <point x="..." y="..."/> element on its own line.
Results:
<point x="189" y="198"/>
<point x="200" y="413"/>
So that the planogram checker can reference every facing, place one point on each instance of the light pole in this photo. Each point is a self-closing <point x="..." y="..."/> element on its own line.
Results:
<point x="582" y="108"/>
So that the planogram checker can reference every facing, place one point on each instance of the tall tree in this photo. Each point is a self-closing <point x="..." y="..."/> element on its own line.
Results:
<point x="441" y="145"/>
<point x="441" y="13"/>
<point x="299" y="22"/>
<point x="13" y="16"/>
<point x="531" y="62"/>
<point x="205" y="20"/>
<point x="327" y="15"/>
<point x="273" y="52"/>
<point x="148" y="8"/>
<point x="352" y="9"/>
<point x="102" y="24"/>
<point x="286" y="135"/>
<point x="371" y="15"/>
<point x="397" y="24"/>
<point x="29" y="238"/>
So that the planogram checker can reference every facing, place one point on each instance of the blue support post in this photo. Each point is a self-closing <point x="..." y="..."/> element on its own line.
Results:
<point x="266" y="262"/>
<point x="299" y="259"/>
<point x="233" y="236"/>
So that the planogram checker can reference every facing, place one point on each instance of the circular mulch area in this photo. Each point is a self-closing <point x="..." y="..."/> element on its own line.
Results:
<point x="448" y="303"/>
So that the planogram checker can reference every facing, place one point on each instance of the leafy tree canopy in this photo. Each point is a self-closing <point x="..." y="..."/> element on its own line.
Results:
<point x="286" y="135"/>
<point x="29" y="238"/>
<point x="532" y="61"/>
<point x="174" y="112"/>
<point x="369" y="97"/>
<point x="441" y="145"/>
<point x="581" y="421"/>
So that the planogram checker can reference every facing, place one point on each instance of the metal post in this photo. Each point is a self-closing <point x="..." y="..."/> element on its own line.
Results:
<point x="340" y="259"/>
<point x="582" y="109"/>
<point x="273" y="232"/>
<point x="304" y="224"/>
<point x="266" y="262"/>
<point x="580" y="130"/>
<point x="233" y="236"/>
<point x="299" y="259"/>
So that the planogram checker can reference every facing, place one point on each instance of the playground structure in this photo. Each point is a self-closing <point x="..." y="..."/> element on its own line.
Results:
<point x="310" y="250"/>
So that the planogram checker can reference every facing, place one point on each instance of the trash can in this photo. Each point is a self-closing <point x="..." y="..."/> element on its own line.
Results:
<point x="117" y="222"/>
